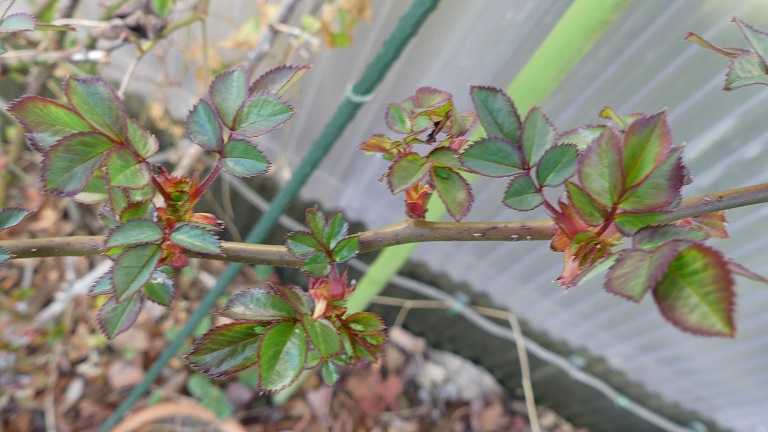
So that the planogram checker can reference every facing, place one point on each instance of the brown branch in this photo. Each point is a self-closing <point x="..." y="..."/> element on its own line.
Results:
<point x="410" y="231"/>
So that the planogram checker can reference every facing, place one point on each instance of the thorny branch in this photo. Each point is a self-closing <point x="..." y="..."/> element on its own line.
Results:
<point x="409" y="231"/>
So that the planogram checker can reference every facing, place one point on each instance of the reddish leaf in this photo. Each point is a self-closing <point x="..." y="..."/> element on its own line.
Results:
<point x="696" y="293"/>
<point x="599" y="169"/>
<point x="637" y="271"/>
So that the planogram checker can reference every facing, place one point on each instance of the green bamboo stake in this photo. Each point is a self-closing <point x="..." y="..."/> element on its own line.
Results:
<point x="573" y="36"/>
<point x="396" y="42"/>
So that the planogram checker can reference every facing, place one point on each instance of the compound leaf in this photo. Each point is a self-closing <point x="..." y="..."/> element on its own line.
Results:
<point x="302" y="244"/>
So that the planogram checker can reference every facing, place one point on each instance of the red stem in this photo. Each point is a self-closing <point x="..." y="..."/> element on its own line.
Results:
<point x="608" y="221"/>
<point x="209" y="179"/>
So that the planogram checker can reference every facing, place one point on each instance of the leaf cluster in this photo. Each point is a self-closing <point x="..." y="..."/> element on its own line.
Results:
<point x="273" y="330"/>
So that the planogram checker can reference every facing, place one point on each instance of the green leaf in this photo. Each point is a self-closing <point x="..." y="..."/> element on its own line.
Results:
<point x="660" y="188"/>
<point x="493" y="157"/>
<point x="102" y="286"/>
<point x="134" y="233"/>
<point x="522" y="194"/>
<point x="316" y="222"/>
<point x="136" y="210"/>
<point x="260" y="114"/>
<point x="296" y="297"/>
<point x="69" y="165"/>
<point x="125" y="171"/>
<point x="243" y="159"/>
<point x="196" y="239"/>
<point x="453" y="190"/>
<point x="756" y="38"/>
<point x="496" y="112"/>
<point x="226" y="349"/>
<point x="538" y="136"/>
<point x="133" y="269"/>
<point x="46" y="121"/>
<point x="5" y="255"/>
<point x="278" y="79"/>
<point x="696" y="293"/>
<point x="365" y="322"/>
<point x="557" y="165"/>
<point x="95" y="191"/>
<point x="17" y="22"/>
<point x="115" y="318"/>
<point x="323" y="335"/>
<point x="336" y="230"/>
<point x="209" y="395"/>
<point x="317" y="265"/>
<point x="444" y="157"/>
<point x="12" y="216"/>
<point x="203" y="127"/>
<point x="637" y="271"/>
<point x="581" y="137"/>
<point x="590" y="211"/>
<point x="406" y="170"/>
<point x="330" y="373"/>
<point x="162" y="8"/>
<point x="257" y="304"/>
<point x="647" y="142"/>
<point x="141" y="140"/>
<point x="97" y="103"/>
<point x="160" y="289"/>
<point x="283" y="352"/>
<point x="745" y="70"/>
<point x="397" y="118"/>
<point x="653" y="236"/>
<point x="302" y="244"/>
<point x="630" y="223"/>
<point x="228" y="92"/>
<point x="599" y="169"/>
<point x="346" y="249"/>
